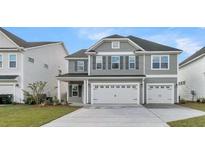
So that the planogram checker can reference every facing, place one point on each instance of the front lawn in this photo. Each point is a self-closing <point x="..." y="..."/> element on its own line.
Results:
<point x="191" y="122"/>
<point x="31" y="115"/>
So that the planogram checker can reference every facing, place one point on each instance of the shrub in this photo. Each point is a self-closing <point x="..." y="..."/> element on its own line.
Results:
<point x="182" y="101"/>
<point x="203" y="100"/>
<point x="198" y="100"/>
<point x="36" y="95"/>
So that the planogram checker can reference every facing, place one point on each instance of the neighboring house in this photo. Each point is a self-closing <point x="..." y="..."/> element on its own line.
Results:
<point x="120" y="69"/>
<point x="23" y="62"/>
<point x="192" y="76"/>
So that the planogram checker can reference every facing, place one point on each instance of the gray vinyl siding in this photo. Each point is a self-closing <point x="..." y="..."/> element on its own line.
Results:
<point x="113" y="81"/>
<point x="107" y="47"/>
<point x="162" y="80"/>
<point x="123" y="71"/>
<point x="72" y="68"/>
<point x="172" y="66"/>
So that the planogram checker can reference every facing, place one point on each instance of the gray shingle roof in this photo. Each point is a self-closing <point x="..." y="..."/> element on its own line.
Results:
<point x="115" y="36"/>
<point x="22" y="43"/>
<point x="196" y="54"/>
<point x="151" y="46"/>
<point x="8" y="77"/>
<point x="80" y="53"/>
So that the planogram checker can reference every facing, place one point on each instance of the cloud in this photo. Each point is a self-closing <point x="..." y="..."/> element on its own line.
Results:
<point x="94" y="33"/>
<point x="188" y="45"/>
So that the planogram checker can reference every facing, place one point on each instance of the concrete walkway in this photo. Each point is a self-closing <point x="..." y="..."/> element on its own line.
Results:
<point x="124" y="116"/>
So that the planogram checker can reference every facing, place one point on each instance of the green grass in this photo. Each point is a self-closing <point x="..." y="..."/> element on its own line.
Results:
<point x="31" y="115"/>
<point x="191" y="122"/>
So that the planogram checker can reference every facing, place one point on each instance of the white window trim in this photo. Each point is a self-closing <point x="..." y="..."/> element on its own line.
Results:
<point x="76" y="90"/>
<point x="130" y="62"/>
<point x="112" y="63"/>
<point x="159" y="62"/>
<point x="101" y="63"/>
<point x="82" y="65"/>
<point x="9" y="61"/>
<point x="113" y="47"/>
<point x="2" y="61"/>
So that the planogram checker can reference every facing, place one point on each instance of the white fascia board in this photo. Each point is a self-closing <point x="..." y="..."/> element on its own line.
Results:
<point x="116" y="53"/>
<point x="162" y="76"/>
<point x="191" y="60"/>
<point x="84" y="78"/>
<point x="76" y="58"/>
<point x="159" y="52"/>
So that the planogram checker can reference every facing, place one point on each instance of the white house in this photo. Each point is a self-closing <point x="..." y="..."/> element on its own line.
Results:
<point x="23" y="62"/>
<point x="192" y="76"/>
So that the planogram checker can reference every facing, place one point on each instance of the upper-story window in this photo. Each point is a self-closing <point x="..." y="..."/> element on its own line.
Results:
<point x="115" y="62"/>
<point x="99" y="62"/>
<point x="31" y="59"/>
<point x="115" y="45"/>
<point x="1" y="61"/>
<point x="80" y="65"/>
<point x="160" y="62"/>
<point x="12" y="61"/>
<point x="131" y="62"/>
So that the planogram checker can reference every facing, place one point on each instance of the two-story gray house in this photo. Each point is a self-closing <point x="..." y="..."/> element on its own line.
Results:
<point x="119" y="69"/>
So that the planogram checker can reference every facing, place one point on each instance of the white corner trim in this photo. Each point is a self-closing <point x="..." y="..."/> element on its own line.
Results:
<point x="2" y="67"/>
<point x="89" y="65"/>
<point x="9" y="39"/>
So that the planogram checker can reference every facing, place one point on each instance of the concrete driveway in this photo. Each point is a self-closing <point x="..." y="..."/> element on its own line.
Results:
<point x="124" y="116"/>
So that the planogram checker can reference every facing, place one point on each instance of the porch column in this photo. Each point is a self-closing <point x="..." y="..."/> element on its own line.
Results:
<point x="14" y="86"/>
<point x="68" y="92"/>
<point x="59" y="90"/>
<point x="87" y="92"/>
<point x="143" y="91"/>
<point x="84" y="91"/>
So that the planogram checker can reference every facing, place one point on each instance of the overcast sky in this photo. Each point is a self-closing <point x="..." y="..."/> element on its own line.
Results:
<point x="188" y="39"/>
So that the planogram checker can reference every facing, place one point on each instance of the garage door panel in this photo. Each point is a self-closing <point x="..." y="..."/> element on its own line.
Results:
<point x="160" y="93"/>
<point x="115" y="93"/>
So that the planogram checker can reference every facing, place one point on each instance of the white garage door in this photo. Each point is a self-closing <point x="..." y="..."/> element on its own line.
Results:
<point x="6" y="89"/>
<point x="115" y="93"/>
<point x="160" y="93"/>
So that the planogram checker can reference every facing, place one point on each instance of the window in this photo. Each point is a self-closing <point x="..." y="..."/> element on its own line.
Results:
<point x="1" y="61"/>
<point x="115" y="45"/>
<point x="80" y="65"/>
<point x="160" y="62"/>
<point x="164" y="62"/>
<point x="115" y="62"/>
<point x="30" y="59"/>
<point x="46" y="66"/>
<point x="12" y="61"/>
<point x="131" y="62"/>
<point x="74" y="90"/>
<point x="98" y="62"/>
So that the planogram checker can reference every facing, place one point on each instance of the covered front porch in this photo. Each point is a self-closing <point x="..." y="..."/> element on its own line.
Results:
<point x="77" y="89"/>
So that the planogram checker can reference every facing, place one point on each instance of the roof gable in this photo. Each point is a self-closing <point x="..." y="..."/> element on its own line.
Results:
<point x="192" y="57"/>
<point x="22" y="43"/>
